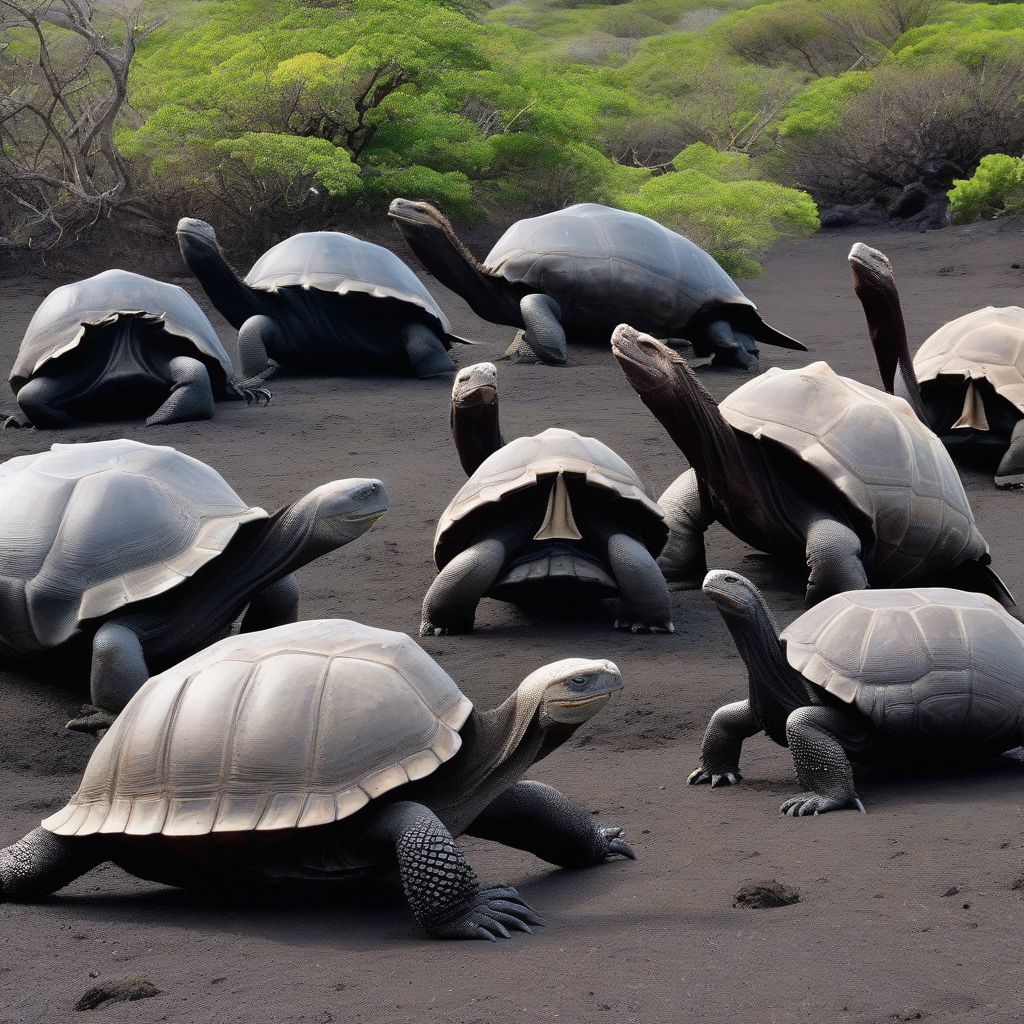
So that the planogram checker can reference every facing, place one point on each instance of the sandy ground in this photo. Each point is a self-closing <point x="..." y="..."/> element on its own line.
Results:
<point x="907" y="913"/>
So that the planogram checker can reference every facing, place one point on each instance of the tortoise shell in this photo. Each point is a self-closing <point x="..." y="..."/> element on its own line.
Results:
<point x="86" y="529"/>
<point x="876" y="453"/>
<point x="59" y="324"/>
<point x="291" y="727"/>
<point x="524" y="463"/>
<point x="599" y="261"/>
<point x="986" y="344"/>
<point x="332" y="261"/>
<point x="923" y="662"/>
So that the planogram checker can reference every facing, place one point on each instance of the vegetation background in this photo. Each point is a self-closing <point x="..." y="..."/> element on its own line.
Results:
<point x="732" y="121"/>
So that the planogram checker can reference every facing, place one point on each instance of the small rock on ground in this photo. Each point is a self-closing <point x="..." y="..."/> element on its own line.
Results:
<point x="127" y="990"/>
<point x="765" y="895"/>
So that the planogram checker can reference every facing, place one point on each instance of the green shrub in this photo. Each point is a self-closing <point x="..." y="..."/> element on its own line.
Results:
<point x="995" y="189"/>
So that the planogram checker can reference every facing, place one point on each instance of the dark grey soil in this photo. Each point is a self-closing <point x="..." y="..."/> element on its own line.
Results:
<point x="872" y="938"/>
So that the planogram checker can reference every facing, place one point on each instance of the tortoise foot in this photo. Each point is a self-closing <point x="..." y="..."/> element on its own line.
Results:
<point x="1010" y="482"/>
<point x="494" y="912"/>
<point x="632" y="626"/>
<point x="804" y="804"/>
<point x="616" y="846"/>
<point x="704" y="776"/>
<point x="428" y="628"/>
<point x="93" y="720"/>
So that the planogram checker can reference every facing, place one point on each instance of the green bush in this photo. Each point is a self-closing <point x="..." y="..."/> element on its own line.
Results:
<point x="995" y="189"/>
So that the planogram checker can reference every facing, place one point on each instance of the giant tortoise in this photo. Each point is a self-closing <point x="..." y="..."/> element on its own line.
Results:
<point x="139" y="555"/>
<point x="918" y="675"/>
<point x="324" y="302"/>
<point x="808" y="465"/>
<point x="580" y="271"/>
<point x="552" y="516"/>
<point x="319" y="750"/>
<point x="119" y="345"/>
<point x="966" y="380"/>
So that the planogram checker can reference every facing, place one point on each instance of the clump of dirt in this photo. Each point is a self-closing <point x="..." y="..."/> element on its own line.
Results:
<point x="765" y="895"/>
<point x="127" y="990"/>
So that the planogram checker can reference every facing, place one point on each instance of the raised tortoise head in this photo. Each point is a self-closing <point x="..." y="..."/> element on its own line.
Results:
<point x="475" y="385"/>
<point x="869" y="262"/>
<point x="196" y="232"/>
<point x="335" y="513"/>
<point x="732" y="593"/>
<point x="416" y="214"/>
<point x="646" y="362"/>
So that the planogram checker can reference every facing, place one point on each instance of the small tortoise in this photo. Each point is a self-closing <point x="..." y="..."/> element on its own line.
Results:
<point x="873" y="675"/>
<point x="580" y="271"/>
<point x="324" y="302"/>
<point x="555" y="515"/>
<point x="320" y="750"/>
<point x="967" y="379"/>
<point x="807" y="465"/>
<point x="140" y="555"/>
<point x="119" y="345"/>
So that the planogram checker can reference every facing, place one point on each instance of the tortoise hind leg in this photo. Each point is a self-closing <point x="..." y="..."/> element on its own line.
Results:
<point x="1010" y="473"/>
<point x="688" y="513"/>
<point x="539" y="819"/>
<point x="644" y="602"/>
<point x="118" y="671"/>
<point x="37" y="400"/>
<point x="42" y="863"/>
<point x="257" y="342"/>
<point x="191" y="396"/>
<point x="442" y="889"/>
<point x="427" y="354"/>
<point x="275" y="605"/>
<point x="732" y="348"/>
<point x="819" y="739"/>
<point x="834" y="559"/>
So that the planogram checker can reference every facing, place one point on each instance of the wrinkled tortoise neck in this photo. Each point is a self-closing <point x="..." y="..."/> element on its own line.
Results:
<point x="776" y="689"/>
<point x="234" y="299"/>
<point x="887" y="329"/>
<point x="476" y="430"/>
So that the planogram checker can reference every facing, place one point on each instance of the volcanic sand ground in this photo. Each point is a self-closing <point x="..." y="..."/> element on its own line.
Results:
<point x="876" y="936"/>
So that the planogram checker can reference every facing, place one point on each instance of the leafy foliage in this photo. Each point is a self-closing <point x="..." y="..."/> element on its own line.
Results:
<point x="996" y="188"/>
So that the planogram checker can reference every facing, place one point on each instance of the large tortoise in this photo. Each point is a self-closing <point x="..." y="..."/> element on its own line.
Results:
<point x="580" y="271"/>
<point x="320" y="750"/>
<point x="553" y="516"/>
<point x="138" y="555"/>
<point x="324" y="302"/>
<point x="119" y="345"/>
<point x="966" y="380"/>
<point x="808" y="465"/>
<point x="926" y="674"/>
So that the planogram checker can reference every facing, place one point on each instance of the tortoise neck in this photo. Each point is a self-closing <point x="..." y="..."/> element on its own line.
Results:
<point x="476" y="431"/>
<point x="233" y="298"/>
<point x="445" y="255"/>
<point x="880" y="299"/>
<point x="776" y="689"/>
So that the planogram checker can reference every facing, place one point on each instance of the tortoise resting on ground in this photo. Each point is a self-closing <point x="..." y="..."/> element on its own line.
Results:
<point x="966" y="381"/>
<point x="119" y="345"/>
<point x="808" y="465"/>
<point x="324" y="302"/>
<point x="556" y="516"/>
<point x="319" y="750"/>
<point x="874" y="675"/>
<point x="576" y="273"/>
<point x="137" y="556"/>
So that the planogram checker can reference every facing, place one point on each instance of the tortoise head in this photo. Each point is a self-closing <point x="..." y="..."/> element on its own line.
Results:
<point x="476" y="429"/>
<point x="415" y="213"/>
<point x="475" y="386"/>
<point x="732" y="593"/>
<point x="648" y="364"/>
<point x="201" y="252"/>
<point x="553" y="702"/>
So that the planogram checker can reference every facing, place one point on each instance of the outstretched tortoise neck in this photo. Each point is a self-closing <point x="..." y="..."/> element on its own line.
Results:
<point x="689" y="414"/>
<point x="776" y="689"/>
<point x="875" y="285"/>
<point x="432" y="238"/>
<point x="476" y="428"/>
<point x="234" y="299"/>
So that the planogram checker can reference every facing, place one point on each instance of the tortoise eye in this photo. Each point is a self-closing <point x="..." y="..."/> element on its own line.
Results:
<point x="578" y="681"/>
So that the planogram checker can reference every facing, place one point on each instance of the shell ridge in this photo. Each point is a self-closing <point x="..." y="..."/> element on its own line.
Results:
<point x="229" y="740"/>
<point x="314" y="743"/>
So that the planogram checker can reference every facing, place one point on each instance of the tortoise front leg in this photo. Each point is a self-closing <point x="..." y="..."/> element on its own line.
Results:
<point x="191" y="396"/>
<point x="427" y="354"/>
<point x="42" y="863"/>
<point x="451" y="602"/>
<point x="38" y="399"/>
<point x="688" y="513"/>
<point x="443" y="891"/>
<point x="543" y="328"/>
<point x="275" y="605"/>
<point x="258" y="340"/>
<point x="720" y="752"/>
<point x="644" y="602"/>
<point x="731" y="348"/>
<point x="819" y="739"/>
<point x="1010" y="473"/>
<point x="118" y="671"/>
<point x="539" y="819"/>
